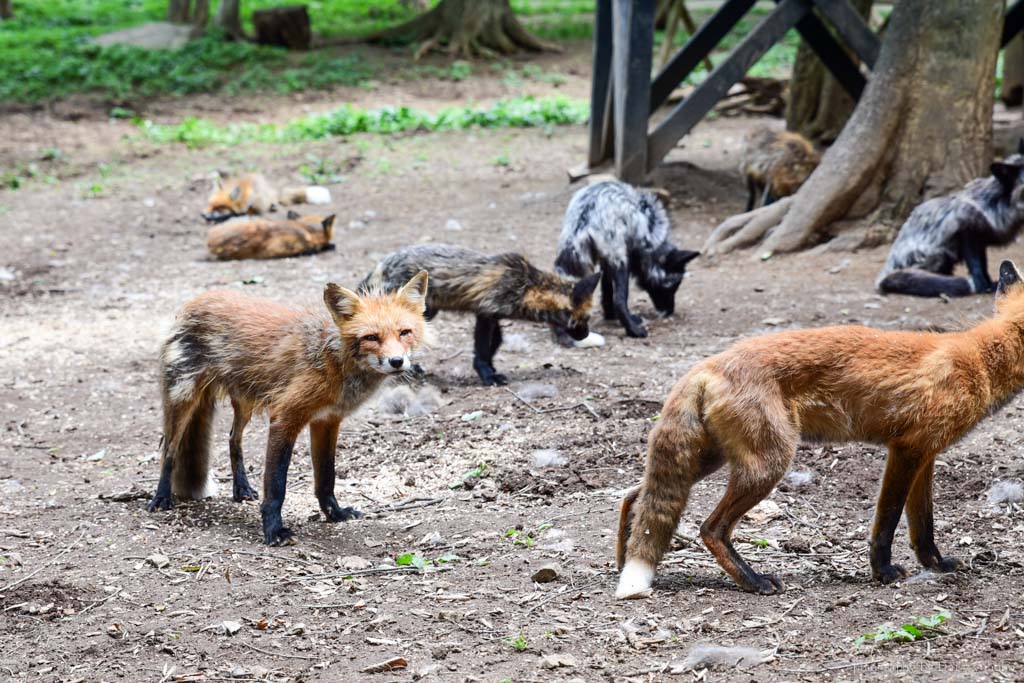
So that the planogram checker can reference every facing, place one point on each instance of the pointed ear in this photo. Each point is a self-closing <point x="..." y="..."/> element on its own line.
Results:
<point x="293" y="215"/>
<point x="1006" y="174"/>
<point x="328" y="224"/>
<point x="1009" y="276"/>
<point x="584" y="289"/>
<point x="236" y="193"/>
<point x="677" y="259"/>
<point x="342" y="303"/>
<point x="415" y="291"/>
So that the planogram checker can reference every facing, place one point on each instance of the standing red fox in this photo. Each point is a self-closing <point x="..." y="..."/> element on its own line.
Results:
<point x="302" y="367"/>
<point x="917" y="392"/>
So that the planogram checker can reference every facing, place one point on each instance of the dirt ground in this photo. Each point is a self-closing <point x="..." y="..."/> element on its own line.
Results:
<point x="94" y="588"/>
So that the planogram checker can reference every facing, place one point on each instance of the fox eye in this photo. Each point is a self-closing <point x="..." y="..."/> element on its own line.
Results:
<point x="405" y="333"/>
<point x="371" y="338"/>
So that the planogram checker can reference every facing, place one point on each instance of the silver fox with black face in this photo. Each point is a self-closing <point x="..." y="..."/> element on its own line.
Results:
<point x="945" y="231"/>
<point x="621" y="231"/>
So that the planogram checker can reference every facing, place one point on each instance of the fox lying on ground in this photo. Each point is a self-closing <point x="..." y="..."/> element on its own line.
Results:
<point x="301" y="366"/>
<point x="621" y="231"/>
<point x="917" y="392"/>
<point x="252" y="194"/>
<point x="262" y="238"/>
<point x="944" y="231"/>
<point x="499" y="287"/>
<point x="776" y="164"/>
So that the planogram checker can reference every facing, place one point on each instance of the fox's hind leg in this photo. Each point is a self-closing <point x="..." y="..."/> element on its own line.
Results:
<point x="752" y="192"/>
<point x="178" y="417"/>
<point x="241" y="489"/>
<point x="323" y="443"/>
<point x="486" y="338"/>
<point x="921" y="523"/>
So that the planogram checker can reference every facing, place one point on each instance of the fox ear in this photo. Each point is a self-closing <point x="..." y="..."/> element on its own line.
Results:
<point x="584" y="289"/>
<point x="415" y="291"/>
<point x="1006" y="174"/>
<point x="677" y="259"/>
<point x="236" y="193"/>
<point x="342" y="303"/>
<point x="328" y="224"/>
<point x="293" y="215"/>
<point x="1008" y="277"/>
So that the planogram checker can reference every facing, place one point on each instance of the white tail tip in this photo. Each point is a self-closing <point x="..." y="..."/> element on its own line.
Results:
<point x="207" y="490"/>
<point x="635" y="580"/>
<point x="590" y="341"/>
<point x="316" y="194"/>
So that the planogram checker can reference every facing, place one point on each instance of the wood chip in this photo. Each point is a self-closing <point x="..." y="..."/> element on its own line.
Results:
<point x="393" y="664"/>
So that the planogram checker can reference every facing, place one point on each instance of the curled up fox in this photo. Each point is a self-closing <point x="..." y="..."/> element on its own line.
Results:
<point x="916" y="392"/>
<point x="302" y="367"/>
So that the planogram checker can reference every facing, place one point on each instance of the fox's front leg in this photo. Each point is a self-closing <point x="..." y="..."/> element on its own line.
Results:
<point x="280" y="443"/>
<point x="901" y="468"/>
<point x="629" y="321"/>
<point x="486" y="338"/>
<point x="323" y="441"/>
<point x="922" y="527"/>
<point x="976" y="259"/>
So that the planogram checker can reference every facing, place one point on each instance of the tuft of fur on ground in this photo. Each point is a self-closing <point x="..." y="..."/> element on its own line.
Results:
<point x="706" y="656"/>
<point x="533" y="391"/>
<point x="549" y="457"/>
<point x="515" y="343"/>
<point x="402" y="401"/>
<point x="1005" y="492"/>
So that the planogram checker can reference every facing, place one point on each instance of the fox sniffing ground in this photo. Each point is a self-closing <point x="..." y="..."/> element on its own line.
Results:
<point x="253" y="195"/>
<point x="494" y="288"/>
<point x="262" y="238"/>
<point x="775" y="164"/>
<point x="300" y="366"/>
<point x="748" y="407"/>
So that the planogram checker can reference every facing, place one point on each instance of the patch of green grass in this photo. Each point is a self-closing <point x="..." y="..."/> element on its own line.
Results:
<point x="321" y="171"/>
<point x="517" y="643"/>
<point x="521" y="112"/>
<point x="918" y="629"/>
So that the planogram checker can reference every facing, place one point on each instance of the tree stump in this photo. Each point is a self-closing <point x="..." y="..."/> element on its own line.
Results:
<point x="283" y="26"/>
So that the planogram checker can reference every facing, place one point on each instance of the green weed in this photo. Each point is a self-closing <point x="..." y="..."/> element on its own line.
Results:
<point x="918" y="629"/>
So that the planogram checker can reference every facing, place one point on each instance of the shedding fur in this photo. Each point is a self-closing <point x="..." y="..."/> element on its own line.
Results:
<point x="748" y="407"/>
<point x="1005" y="492"/>
<point x="622" y="231"/>
<point x="958" y="228"/>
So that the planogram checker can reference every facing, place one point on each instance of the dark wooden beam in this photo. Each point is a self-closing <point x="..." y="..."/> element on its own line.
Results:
<point x="600" y="147"/>
<point x="633" y="31"/>
<point x="690" y="111"/>
<point x="831" y="54"/>
<point x="697" y="48"/>
<point x="852" y="28"/>
<point x="1013" y="22"/>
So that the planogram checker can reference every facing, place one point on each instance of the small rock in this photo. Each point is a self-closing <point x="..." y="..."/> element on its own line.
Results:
<point x="159" y="561"/>
<point x="546" y="574"/>
<point x="452" y="224"/>
<point x="774" y="322"/>
<point x="354" y="562"/>
<point x="97" y="456"/>
<point x="149" y="202"/>
<point x="473" y="416"/>
<point x="295" y="629"/>
<point x="764" y="511"/>
<point x="356" y="225"/>
<point x="557" y="660"/>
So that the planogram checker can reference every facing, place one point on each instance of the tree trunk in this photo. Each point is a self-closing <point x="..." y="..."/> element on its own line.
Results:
<point x="1012" y="93"/>
<point x="178" y="11"/>
<point x="469" y="28"/>
<point x="283" y="26"/>
<point x="818" y="106"/>
<point x="229" y="18"/>
<point x="6" y="11"/>
<point x="923" y="127"/>
<point x="200" y="15"/>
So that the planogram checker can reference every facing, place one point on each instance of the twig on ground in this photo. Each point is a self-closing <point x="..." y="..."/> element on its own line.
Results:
<point x="545" y="411"/>
<point x="825" y="669"/>
<point x="365" y="572"/>
<point x="275" y="654"/>
<point x="100" y="601"/>
<point x="416" y="502"/>
<point x="52" y="560"/>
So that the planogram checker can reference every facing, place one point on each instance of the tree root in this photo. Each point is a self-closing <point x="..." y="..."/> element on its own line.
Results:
<point x="745" y="229"/>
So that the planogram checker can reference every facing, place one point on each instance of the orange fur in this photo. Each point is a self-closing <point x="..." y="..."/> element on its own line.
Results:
<point x="260" y="238"/>
<point x="916" y="392"/>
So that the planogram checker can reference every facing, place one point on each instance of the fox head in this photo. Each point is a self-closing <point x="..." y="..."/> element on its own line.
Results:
<point x="663" y="274"/>
<point x="319" y="228"/>
<point x="562" y="303"/>
<point x="231" y="198"/>
<point x="1010" y="174"/>
<point x="381" y="331"/>
<point x="1010" y="289"/>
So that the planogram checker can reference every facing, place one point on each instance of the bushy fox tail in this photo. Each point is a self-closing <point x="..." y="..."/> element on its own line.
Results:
<point x="676" y="458"/>
<point x="916" y="282"/>
<point x="313" y="194"/>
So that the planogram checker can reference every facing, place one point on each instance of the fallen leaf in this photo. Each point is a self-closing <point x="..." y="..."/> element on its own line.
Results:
<point x="390" y="665"/>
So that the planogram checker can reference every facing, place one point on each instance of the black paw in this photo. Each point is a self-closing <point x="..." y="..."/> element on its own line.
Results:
<point x="241" y="490"/>
<point x="636" y="331"/>
<point x="948" y="564"/>
<point x="160" y="503"/>
<point x="891" y="573"/>
<point x="280" y="535"/>
<point x="637" y="320"/>
<point x="767" y="584"/>
<point x="336" y="513"/>
<point x="494" y="380"/>
<point x="611" y="315"/>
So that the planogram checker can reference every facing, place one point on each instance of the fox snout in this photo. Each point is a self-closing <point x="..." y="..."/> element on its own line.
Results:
<point x="392" y="361"/>
<point x="216" y="216"/>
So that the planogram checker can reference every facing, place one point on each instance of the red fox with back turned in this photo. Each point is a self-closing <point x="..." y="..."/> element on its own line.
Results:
<point x="917" y="392"/>
<point x="301" y="366"/>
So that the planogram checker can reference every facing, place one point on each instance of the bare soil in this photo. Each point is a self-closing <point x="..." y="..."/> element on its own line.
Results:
<point x="89" y="285"/>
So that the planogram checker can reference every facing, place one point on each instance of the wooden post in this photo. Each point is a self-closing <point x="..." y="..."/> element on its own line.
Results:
<point x="633" y="45"/>
<point x="831" y="54"/>
<point x="854" y="31"/>
<point x="600" y="146"/>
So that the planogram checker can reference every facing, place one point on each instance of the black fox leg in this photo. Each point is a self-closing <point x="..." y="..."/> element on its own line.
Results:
<point x="323" y="443"/>
<point x="629" y="321"/>
<point x="240" y="487"/>
<point x="487" y="329"/>
<point x="163" y="499"/>
<point x="921" y="523"/>
<point x="608" y="293"/>
<point x="752" y="192"/>
<point x="280" y="443"/>
<point x="901" y="468"/>
<point x="977" y="265"/>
